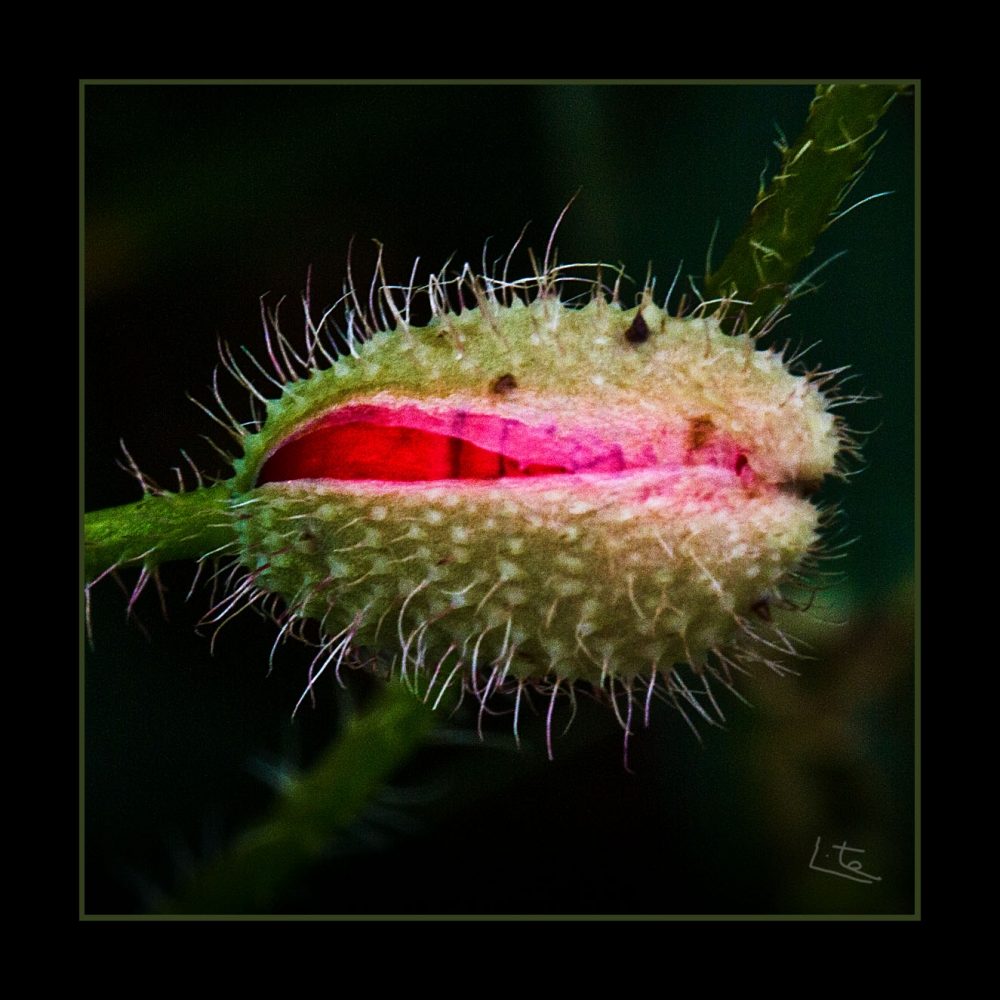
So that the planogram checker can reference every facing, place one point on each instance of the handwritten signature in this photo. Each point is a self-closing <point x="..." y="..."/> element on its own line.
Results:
<point x="854" y="867"/>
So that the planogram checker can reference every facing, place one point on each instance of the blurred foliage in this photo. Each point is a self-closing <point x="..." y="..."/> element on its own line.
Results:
<point x="198" y="199"/>
<point x="309" y="810"/>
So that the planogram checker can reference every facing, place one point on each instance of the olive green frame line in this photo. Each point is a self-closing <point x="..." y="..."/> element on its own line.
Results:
<point x="805" y="196"/>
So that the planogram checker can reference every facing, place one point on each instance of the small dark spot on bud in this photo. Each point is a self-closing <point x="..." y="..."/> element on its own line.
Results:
<point x="307" y="542"/>
<point x="741" y="463"/>
<point x="638" y="332"/>
<point x="762" y="609"/>
<point x="504" y="384"/>
<point x="700" y="431"/>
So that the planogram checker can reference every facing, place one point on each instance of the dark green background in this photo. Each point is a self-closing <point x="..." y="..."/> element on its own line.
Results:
<point x="198" y="200"/>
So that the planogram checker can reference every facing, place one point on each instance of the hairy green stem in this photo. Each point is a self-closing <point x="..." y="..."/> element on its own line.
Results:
<point x="804" y="198"/>
<point x="157" y="529"/>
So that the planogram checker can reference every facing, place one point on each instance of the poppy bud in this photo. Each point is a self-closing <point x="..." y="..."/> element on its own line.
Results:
<point x="528" y="494"/>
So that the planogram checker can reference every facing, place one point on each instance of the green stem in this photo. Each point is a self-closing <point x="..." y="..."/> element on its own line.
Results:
<point x="314" y="808"/>
<point x="157" y="529"/>
<point x="804" y="198"/>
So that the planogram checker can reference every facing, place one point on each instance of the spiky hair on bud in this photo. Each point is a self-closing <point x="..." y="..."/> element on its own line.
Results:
<point x="541" y="489"/>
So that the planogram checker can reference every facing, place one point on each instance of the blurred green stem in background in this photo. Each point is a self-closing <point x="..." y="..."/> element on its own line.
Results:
<point x="269" y="857"/>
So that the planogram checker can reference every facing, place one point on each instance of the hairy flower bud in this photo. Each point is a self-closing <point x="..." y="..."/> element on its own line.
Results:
<point x="531" y="494"/>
